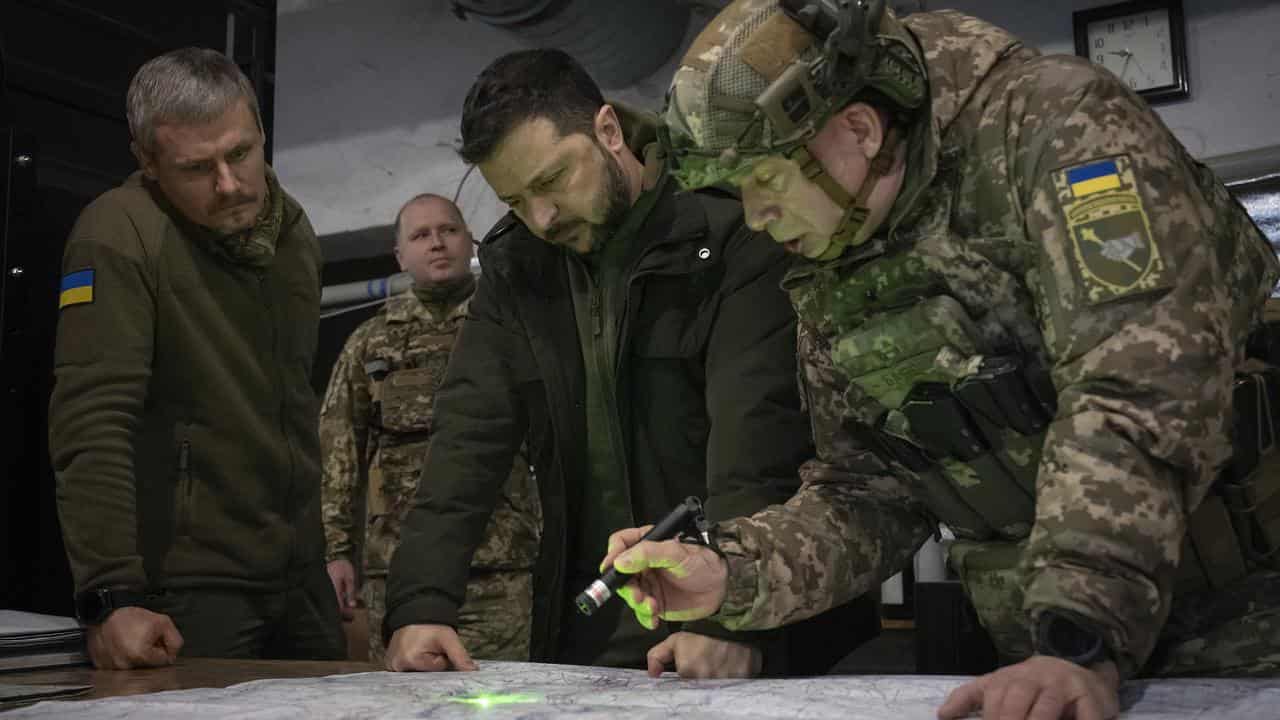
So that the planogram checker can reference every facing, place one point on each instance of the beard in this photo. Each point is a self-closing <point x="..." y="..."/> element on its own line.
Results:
<point x="615" y="197"/>
<point x="247" y="211"/>
<point x="611" y="203"/>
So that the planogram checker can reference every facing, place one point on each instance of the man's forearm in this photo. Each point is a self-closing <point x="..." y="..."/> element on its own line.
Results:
<point x="829" y="544"/>
<point x="91" y="432"/>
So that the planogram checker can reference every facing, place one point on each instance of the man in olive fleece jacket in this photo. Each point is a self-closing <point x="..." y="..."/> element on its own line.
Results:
<point x="183" y="427"/>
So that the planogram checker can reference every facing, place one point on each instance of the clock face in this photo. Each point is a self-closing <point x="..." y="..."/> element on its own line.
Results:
<point x="1137" y="48"/>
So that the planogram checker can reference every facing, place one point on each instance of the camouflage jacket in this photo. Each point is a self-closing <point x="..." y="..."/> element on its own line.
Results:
<point x="375" y="425"/>
<point x="1068" y="223"/>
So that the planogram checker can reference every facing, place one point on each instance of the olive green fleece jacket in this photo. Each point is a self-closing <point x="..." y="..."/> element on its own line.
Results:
<point x="183" y="426"/>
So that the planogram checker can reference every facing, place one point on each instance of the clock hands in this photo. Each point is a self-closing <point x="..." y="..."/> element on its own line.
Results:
<point x="1128" y="56"/>
<point x="1138" y="64"/>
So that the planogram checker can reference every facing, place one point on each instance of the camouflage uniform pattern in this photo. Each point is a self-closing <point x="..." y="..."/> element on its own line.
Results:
<point x="1142" y="365"/>
<point x="374" y="435"/>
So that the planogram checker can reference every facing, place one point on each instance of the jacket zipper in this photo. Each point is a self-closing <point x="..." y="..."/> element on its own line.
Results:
<point x="552" y="626"/>
<point x="597" y="320"/>
<point x="624" y="337"/>
<point x="184" y="477"/>
<point x="290" y="480"/>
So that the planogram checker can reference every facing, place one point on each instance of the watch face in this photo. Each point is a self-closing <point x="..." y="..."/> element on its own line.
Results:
<point x="1137" y="48"/>
<point x="1062" y="637"/>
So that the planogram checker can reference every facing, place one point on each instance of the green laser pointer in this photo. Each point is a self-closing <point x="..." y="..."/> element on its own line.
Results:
<point x="678" y="520"/>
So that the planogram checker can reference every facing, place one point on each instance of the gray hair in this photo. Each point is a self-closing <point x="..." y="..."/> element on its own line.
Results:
<point x="188" y="85"/>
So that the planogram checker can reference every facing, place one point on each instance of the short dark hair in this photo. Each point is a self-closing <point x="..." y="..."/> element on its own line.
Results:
<point x="457" y="213"/>
<point x="521" y="86"/>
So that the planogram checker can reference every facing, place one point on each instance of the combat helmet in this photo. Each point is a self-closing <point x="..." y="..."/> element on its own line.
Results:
<point x="763" y="77"/>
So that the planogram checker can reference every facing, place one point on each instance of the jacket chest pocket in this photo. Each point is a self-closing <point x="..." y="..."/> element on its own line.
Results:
<point x="408" y="395"/>
<point x="184" y="487"/>
<point x="675" y="316"/>
<point x="668" y="353"/>
<point x="297" y="319"/>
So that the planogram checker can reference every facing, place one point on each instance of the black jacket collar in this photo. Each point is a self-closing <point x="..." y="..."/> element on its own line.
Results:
<point x="672" y="233"/>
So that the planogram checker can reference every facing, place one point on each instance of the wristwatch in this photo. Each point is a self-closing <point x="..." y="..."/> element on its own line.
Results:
<point x="1062" y="636"/>
<point x="93" y="606"/>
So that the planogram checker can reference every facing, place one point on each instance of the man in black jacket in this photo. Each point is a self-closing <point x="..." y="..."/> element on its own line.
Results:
<point x="637" y="337"/>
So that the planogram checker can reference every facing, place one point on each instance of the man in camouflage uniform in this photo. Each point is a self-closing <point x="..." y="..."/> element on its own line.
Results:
<point x="374" y="428"/>
<point x="1025" y="318"/>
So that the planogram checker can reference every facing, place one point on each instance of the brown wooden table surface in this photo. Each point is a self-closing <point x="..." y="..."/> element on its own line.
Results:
<point x="187" y="673"/>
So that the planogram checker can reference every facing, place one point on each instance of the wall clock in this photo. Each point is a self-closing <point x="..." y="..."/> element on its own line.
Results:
<point x="1142" y="42"/>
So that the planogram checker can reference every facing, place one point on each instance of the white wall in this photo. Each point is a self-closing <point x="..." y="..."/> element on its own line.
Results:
<point x="1233" y="57"/>
<point x="369" y="93"/>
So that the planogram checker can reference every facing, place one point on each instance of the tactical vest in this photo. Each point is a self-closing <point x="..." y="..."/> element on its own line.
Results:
<point x="404" y="371"/>
<point x="403" y="374"/>
<point x="966" y="419"/>
<point x="932" y="397"/>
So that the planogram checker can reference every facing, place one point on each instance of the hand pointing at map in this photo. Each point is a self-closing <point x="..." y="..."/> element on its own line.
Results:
<point x="673" y="580"/>
<point x="427" y="648"/>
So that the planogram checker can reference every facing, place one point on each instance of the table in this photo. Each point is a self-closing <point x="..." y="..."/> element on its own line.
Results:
<point x="186" y="674"/>
<point x="530" y="691"/>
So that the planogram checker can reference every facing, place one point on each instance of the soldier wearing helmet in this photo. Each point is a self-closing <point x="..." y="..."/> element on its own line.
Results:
<point x="1025" y="319"/>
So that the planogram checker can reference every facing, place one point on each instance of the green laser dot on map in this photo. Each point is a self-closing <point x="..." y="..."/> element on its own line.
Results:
<point x="487" y="700"/>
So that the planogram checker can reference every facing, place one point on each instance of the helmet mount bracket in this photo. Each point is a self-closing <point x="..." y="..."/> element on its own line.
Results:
<point x="800" y="98"/>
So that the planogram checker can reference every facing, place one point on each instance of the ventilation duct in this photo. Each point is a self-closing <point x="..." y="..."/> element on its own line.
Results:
<point x="618" y="41"/>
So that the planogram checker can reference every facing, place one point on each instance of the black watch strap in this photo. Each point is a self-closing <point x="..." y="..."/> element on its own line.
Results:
<point x="1063" y="636"/>
<point x="93" y="606"/>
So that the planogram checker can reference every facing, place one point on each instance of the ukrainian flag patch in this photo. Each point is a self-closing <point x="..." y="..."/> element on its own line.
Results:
<point x="1113" y="250"/>
<point x="1092" y="178"/>
<point x="77" y="288"/>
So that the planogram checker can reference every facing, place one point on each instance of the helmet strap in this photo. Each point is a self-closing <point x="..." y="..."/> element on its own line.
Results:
<point x="851" y="229"/>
